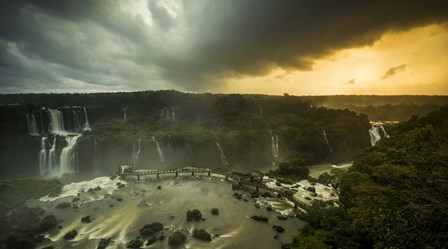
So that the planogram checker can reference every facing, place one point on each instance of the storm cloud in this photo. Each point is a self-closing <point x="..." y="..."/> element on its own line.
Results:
<point x="116" y="45"/>
<point x="394" y="70"/>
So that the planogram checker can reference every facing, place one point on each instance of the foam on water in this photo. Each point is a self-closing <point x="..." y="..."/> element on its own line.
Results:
<point x="107" y="187"/>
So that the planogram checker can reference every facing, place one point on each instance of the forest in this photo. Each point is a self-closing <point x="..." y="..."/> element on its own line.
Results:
<point x="394" y="196"/>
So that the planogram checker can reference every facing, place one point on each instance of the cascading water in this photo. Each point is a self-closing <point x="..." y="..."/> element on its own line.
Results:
<point x="76" y="121"/>
<point x="43" y="156"/>
<point x="52" y="167"/>
<point x="136" y="152"/>
<point x="159" y="150"/>
<point x="86" y="124"/>
<point x="223" y="157"/>
<point x="56" y="122"/>
<point x="68" y="157"/>
<point x="173" y="113"/>
<point x="384" y="131"/>
<point x="95" y="157"/>
<point x="32" y="125"/>
<point x="374" y="133"/>
<point x="125" y="116"/>
<point x="274" y="145"/>
<point x="326" y="140"/>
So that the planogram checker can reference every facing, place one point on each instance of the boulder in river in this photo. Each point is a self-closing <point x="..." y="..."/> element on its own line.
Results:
<point x="70" y="235"/>
<point x="105" y="243"/>
<point x="278" y="229"/>
<point x="194" y="215"/>
<point x="135" y="243"/>
<point x="201" y="234"/>
<point x="176" y="239"/>
<point x="86" y="219"/>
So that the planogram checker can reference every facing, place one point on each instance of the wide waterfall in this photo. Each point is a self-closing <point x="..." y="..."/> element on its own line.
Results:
<point x="223" y="157"/>
<point x="374" y="133"/>
<point x="56" y="122"/>
<point x="68" y="159"/>
<point x="52" y="164"/>
<point x="136" y="151"/>
<point x="274" y="145"/>
<point x="159" y="150"/>
<point x="32" y="125"/>
<point x="86" y="121"/>
<point x="43" y="156"/>
<point x="326" y="140"/>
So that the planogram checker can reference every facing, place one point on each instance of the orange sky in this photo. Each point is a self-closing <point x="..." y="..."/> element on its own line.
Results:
<point x="419" y="56"/>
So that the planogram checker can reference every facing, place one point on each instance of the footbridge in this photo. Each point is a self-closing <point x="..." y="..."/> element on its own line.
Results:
<point x="254" y="179"/>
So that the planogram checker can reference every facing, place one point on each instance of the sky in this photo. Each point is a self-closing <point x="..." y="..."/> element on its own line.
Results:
<point x="300" y="47"/>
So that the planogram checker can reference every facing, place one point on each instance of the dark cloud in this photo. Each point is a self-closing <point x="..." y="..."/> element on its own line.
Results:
<point x="97" y="42"/>
<point x="394" y="70"/>
<point x="351" y="82"/>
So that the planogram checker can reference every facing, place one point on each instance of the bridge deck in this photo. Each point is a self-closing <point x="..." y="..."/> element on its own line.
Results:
<point x="246" y="180"/>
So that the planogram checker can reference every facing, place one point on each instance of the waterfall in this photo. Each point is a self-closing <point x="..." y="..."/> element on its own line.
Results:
<point x="136" y="152"/>
<point x="159" y="150"/>
<point x="52" y="157"/>
<point x="76" y="121"/>
<point x="223" y="157"/>
<point x="43" y="156"/>
<point x="274" y="145"/>
<point x="173" y="114"/>
<point x="42" y="123"/>
<point x="374" y="133"/>
<point x="384" y="131"/>
<point x="168" y="113"/>
<point x="56" y="121"/>
<point x="326" y="140"/>
<point x="68" y="155"/>
<point x="95" y="157"/>
<point x="32" y="125"/>
<point x="86" y="124"/>
<point x="125" y="116"/>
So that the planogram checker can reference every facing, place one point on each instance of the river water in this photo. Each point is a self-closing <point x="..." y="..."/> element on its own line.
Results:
<point x="143" y="203"/>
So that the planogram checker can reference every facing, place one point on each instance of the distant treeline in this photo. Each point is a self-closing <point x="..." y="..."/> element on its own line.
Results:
<point x="187" y="127"/>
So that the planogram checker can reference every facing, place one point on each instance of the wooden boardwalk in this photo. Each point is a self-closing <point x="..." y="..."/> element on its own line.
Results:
<point x="253" y="181"/>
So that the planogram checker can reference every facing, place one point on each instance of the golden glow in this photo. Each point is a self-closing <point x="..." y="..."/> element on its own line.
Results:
<point x="421" y="52"/>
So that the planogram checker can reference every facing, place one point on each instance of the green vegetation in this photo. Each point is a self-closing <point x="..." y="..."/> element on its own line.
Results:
<point x="194" y="215"/>
<point x="291" y="170"/>
<point x="215" y="211"/>
<point x="176" y="239"/>
<point x="201" y="234"/>
<point x="394" y="196"/>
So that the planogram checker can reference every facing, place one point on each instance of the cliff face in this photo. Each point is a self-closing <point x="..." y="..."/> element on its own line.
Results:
<point x="177" y="129"/>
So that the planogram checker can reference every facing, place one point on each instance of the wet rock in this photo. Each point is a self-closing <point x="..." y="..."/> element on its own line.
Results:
<point x="269" y="208"/>
<point x="75" y="199"/>
<point x="282" y="217"/>
<point x="63" y="205"/>
<point x="308" y="198"/>
<point x="201" y="234"/>
<point x="161" y="237"/>
<point x="257" y="205"/>
<point x="260" y="218"/>
<point x="278" y="184"/>
<point x="119" y="199"/>
<point x="313" y="194"/>
<point x="194" y="215"/>
<point x="311" y="189"/>
<point x="159" y="187"/>
<point x="97" y="188"/>
<point x="150" y="229"/>
<point x="86" y="219"/>
<point x="39" y="238"/>
<point x="120" y="185"/>
<point x="151" y="240"/>
<point x="111" y="205"/>
<point x="278" y="229"/>
<point x="266" y="195"/>
<point x="245" y="200"/>
<point x="105" y="243"/>
<point x="135" y="243"/>
<point x="47" y="223"/>
<point x="70" y="235"/>
<point x="215" y="211"/>
<point x="238" y="196"/>
<point x="176" y="239"/>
